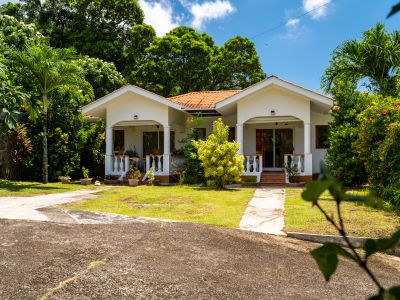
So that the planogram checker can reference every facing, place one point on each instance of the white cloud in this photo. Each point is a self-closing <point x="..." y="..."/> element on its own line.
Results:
<point x="160" y="15"/>
<point x="207" y="11"/>
<point x="292" y="23"/>
<point x="318" y="7"/>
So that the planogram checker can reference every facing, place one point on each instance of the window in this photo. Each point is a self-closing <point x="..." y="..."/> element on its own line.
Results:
<point x="119" y="140"/>
<point x="153" y="142"/>
<point x="199" y="134"/>
<point x="232" y="134"/>
<point x="321" y="136"/>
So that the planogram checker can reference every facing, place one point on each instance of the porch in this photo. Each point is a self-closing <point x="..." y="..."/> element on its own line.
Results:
<point x="143" y="144"/>
<point x="271" y="143"/>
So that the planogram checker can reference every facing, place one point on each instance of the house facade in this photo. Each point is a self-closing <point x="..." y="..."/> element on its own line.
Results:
<point x="274" y="121"/>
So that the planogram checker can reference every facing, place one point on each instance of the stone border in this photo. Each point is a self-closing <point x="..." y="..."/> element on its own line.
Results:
<point x="358" y="242"/>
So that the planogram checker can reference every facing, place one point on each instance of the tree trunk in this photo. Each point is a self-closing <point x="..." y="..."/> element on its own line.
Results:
<point x="45" y="155"/>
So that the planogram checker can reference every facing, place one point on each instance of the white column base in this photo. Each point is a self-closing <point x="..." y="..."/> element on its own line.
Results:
<point x="308" y="164"/>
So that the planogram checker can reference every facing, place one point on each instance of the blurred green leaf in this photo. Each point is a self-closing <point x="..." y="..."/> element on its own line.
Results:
<point x="372" y="246"/>
<point x="326" y="257"/>
<point x="314" y="189"/>
<point x="395" y="9"/>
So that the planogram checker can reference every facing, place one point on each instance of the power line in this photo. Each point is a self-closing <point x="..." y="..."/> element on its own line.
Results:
<point x="284" y="23"/>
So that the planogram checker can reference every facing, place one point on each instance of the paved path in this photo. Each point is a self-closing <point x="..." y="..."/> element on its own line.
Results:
<point x="27" y="207"/>
<point x="265" y="212"/>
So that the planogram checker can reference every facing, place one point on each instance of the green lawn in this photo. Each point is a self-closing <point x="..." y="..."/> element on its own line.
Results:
<point x="191" y="204"/>
<point x="24" y="188"/>
<point x="360" y="218"/>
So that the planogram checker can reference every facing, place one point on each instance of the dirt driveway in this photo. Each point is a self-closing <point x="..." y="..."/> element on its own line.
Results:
<point x="167" y="261"/>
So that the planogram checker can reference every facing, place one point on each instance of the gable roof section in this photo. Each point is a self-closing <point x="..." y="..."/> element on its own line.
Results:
<point x="125" y="89"/>
<point x="202" y="100"/>
<point x="276" y="81"/>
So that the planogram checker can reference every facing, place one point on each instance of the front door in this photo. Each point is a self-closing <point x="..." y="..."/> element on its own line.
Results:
<point x="273" y="144"/>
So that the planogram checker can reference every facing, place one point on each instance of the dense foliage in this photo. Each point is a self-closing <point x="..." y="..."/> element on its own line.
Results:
<point x="343" y="159"/>
<point x="378" y="145"/>
<point x="219" y="158"/>
<point x="113" y="47"/>
<point x="364" y="134"/>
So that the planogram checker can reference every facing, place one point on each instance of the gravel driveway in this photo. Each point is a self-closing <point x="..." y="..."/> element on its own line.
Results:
<point x="168" y="261"/>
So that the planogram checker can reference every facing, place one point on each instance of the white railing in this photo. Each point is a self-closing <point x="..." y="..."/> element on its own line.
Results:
<point x="119" y="165"/>
<point x="253" y="166"/>
<point x="295" y="160"/>
<point x="159" y="164"/>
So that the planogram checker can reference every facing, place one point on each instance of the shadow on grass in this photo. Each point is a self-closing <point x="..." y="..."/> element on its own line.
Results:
<point x="207" y="188"/>
<point x="21" y="186"/>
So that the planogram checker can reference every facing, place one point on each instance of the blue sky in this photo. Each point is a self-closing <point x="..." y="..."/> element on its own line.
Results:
<point x="299" y="50"/>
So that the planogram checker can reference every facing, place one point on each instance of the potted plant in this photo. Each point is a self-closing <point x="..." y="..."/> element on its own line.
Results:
<point x="293" y="175"/>
<point x="111" y="179"/>
<point x="150" y="177"/>
<point x="65" y="179"/>
<point x="85" y="180"/>
<point x="133" y="176"/>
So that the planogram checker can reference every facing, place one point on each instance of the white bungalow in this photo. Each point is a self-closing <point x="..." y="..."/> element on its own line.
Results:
<point x="273" y="121"/>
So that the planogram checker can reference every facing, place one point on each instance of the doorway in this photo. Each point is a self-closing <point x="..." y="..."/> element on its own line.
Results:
<point x="273" y="144"/>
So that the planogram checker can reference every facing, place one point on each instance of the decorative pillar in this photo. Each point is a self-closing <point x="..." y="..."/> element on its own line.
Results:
<point x="307" y="138"/>
<point x="239" y="137"/>
<point x="109" y="151"/>
<point x="167" y="149"/>
<point x="308" y="161"/>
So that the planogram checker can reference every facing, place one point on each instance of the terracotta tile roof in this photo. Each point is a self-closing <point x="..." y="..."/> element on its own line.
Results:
<point x="206" y="99"/>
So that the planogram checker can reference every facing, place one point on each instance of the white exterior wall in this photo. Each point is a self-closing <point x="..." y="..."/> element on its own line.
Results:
<point x="282" y="102"/>
<point x="318" y="118"/>
<point x="127" y="105"/>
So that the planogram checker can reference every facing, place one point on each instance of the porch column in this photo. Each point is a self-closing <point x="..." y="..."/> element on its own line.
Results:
<point x="167" y="149"/>
<point x="239" y="137"/>
<point x="308" y="162"/>
<point x="109" y="151"/>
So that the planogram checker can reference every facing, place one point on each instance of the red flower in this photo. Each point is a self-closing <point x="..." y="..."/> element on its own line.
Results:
<point x="385" y="112"/>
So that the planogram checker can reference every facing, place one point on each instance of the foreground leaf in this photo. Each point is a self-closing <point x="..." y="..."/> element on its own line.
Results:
<point x="326" y="257"/>
<point x="372" y="246"/>
<point x="314" y="189"/>
<point x="395" y="9"/>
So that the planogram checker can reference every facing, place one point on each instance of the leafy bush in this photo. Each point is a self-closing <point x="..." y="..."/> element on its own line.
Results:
<point x="379" y="145"/>
<point x="344" y="161"/>
<point x="194" y="172"/>
<point x="219" y="158"/>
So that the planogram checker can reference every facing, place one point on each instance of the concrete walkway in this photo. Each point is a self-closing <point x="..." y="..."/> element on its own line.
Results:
<point x="27" y="207"/>
<point x="265" y="212"/>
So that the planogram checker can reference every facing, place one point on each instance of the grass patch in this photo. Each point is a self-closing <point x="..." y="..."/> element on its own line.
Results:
<point x="184" y="203"/>
<point x="26" y="188"/>
<point x="360" y="218"/>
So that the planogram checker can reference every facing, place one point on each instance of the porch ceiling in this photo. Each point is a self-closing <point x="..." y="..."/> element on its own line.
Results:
<point x="136" y="123"/>
<point x="279" y="119"/>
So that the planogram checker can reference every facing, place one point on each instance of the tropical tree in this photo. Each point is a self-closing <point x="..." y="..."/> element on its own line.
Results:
<point x="177" y="63"/>
<point x="374" y="61"/>
<point x="96" y="28"/>
<point x="49" y="69"/>
<point x="237" y="65"/>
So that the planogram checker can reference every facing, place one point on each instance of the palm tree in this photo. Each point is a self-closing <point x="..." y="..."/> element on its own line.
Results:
<point x="48" y="69"/>
<point x="374" y="61"/>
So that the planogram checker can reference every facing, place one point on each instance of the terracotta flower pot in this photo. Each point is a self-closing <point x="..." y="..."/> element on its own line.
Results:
<point x="133" y="182"/>
<point x="86" y="181"/>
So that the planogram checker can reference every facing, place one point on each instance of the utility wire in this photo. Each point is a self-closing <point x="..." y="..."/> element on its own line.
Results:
<point x="284" y="23"/>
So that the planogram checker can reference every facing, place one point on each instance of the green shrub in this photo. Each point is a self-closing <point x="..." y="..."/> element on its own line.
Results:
<point x="219" y="158"/>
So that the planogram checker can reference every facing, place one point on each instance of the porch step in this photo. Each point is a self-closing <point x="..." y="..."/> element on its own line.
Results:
<point x="272" y="179"/>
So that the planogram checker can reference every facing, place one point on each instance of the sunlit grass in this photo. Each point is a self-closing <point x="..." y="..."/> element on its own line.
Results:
<point x="183" y="203"/>
<point x="360" y="218"/>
